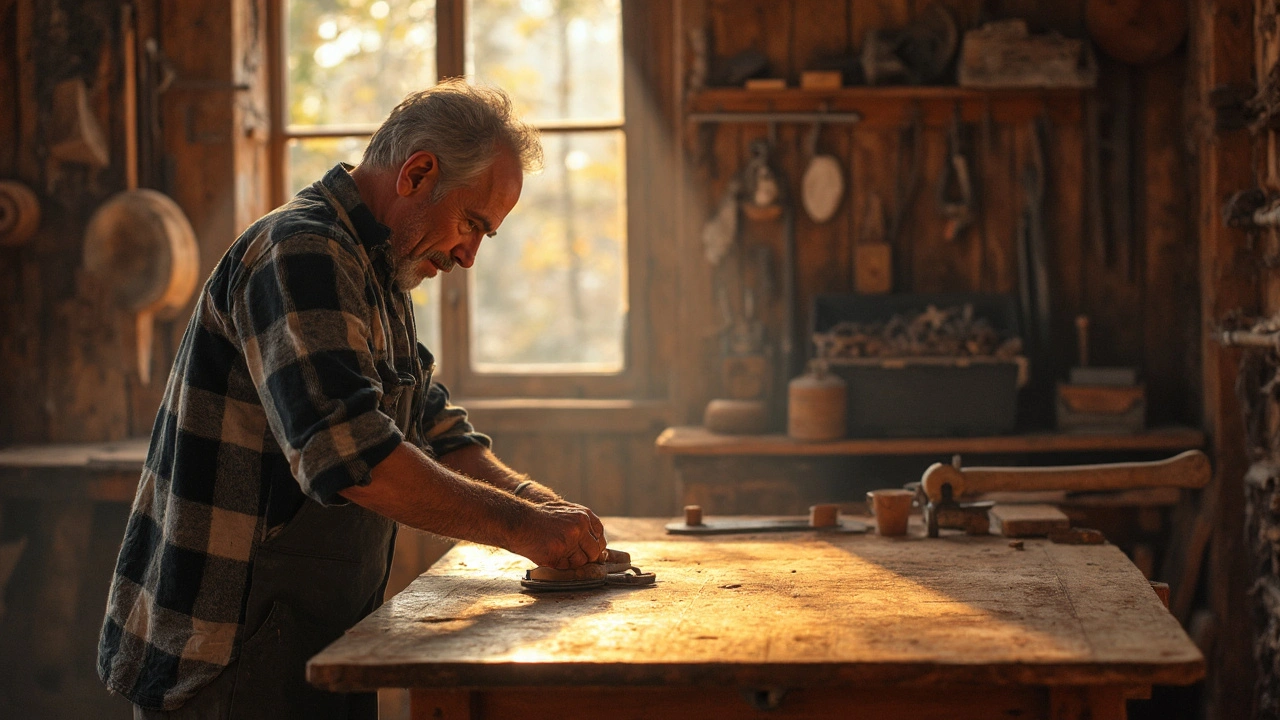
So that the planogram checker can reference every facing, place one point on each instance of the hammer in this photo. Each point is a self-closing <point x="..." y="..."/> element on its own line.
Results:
<point x="944" y="485"/>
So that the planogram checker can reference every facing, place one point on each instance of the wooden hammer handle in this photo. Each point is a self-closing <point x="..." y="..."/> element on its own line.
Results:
<point x="1187" y="470"/>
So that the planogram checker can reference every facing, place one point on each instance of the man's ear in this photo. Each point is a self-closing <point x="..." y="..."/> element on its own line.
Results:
<point x="418" y="174"/>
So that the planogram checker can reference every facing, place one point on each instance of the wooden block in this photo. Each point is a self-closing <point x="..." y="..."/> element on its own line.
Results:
<point x="1027" y="520"/>
<point x="736" y="417"/>
<point x="1077" y="536"/>
<point x="873" y="268"/>
<point x="825" y="515"/>
<point x="766" y="84"/>
<point x="821" y="80"/>
<point x="693" y="515"/>
<point x="1162" y="591"/>
<point x="1101" y="399"/>
<point x="972" y="523"/>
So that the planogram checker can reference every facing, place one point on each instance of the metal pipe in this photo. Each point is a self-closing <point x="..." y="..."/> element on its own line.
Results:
<point x="1269" y="215"/>
<point x="1248" y="338"/>
<point x="847" y="118"/>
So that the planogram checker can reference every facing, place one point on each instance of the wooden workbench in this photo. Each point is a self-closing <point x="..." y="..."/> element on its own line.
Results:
<point x="63" y="483"/>
<point x="814" y="625"/>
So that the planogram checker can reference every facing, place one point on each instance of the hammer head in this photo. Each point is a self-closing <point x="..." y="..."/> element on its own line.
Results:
<point x="938" y="490"/>
<point x="940" y="476"/>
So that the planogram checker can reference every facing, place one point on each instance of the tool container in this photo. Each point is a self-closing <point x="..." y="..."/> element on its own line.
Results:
<point x="926" y="396"/>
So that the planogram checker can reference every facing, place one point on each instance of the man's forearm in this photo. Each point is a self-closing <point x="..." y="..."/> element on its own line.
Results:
<point x="477" y="461"/>
<point x="413" y="489"/>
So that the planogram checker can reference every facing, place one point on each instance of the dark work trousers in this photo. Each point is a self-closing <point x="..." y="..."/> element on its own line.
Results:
<point x="323" y="572"/>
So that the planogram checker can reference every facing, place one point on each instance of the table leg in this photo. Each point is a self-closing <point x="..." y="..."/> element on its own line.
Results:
<point x="10" y="553"/>
<point x="1105" y="702"/>
<point x="64" y="535"/>
<point x="432" y="704"/>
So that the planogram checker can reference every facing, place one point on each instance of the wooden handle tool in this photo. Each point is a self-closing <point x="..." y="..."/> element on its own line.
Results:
<point x="1187" y="470"/>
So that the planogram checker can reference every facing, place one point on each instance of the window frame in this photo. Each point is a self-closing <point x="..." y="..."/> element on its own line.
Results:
<point x="454" y="355"/>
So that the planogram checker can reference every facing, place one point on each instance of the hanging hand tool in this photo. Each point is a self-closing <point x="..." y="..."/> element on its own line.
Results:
<point x="909" y="139"/>
<point x="955" y="187"/>
<point x="943" y="486"/>
<point x="1033" y="256"/>
<point x="823" y="182"/>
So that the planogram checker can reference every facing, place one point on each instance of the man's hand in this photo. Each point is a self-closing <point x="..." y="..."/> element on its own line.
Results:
<point x="411" y="488"/>
<point x="562" y="535"/>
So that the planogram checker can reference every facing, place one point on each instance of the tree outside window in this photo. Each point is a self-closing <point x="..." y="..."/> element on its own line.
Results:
<point x="548" y="295"/>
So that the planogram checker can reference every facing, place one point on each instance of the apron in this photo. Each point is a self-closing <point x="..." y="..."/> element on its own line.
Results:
<point x="325" y="570"/>
<point x="311" y="582"/>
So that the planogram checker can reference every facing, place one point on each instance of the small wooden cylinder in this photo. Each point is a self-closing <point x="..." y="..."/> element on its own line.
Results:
<point x="1162" y="591"/>
<point x="891" y="508"/>
<point x="816" y="406"/>
<point x="692" y="515"/>
<point x="736" y="417"/>
<point x="824" y="516"/>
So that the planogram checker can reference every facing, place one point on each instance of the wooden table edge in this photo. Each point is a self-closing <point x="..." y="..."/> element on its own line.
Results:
<point x="351" y="678"/>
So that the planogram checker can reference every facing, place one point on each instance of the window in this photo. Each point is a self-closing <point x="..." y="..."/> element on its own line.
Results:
<point x="544" y="312"/>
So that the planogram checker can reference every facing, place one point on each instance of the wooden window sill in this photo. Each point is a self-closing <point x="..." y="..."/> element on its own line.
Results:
<point x="559" y="415"/>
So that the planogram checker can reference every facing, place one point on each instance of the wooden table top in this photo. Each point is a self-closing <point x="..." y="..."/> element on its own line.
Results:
<point x="791" y="610"/>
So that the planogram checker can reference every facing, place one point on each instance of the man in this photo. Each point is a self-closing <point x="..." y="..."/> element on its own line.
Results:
<point x="300" y="423"/>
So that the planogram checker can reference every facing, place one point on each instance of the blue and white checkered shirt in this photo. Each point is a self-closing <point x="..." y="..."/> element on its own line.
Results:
<point x="298" y="373"/>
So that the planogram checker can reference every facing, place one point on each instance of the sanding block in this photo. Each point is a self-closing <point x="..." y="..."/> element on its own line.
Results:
<point x="613" y="568"/>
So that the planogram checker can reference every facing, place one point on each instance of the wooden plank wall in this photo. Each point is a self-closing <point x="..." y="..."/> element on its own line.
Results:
<point x="70" y="373"/>
<point x="1142" y="299"/>
<point x="1142" y="296"/>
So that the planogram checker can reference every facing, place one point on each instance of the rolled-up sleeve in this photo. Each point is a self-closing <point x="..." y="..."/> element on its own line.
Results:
<point x="303" y="320"/>
<point x="445" y="426"/>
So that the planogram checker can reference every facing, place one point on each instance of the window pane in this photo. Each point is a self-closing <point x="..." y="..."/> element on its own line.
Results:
<point x="559" y="59"/>
<point x="351" y="61"/>
<point x="426" y="312"/>
<point x="549" y="293"/>
<point x="311" y="158"/>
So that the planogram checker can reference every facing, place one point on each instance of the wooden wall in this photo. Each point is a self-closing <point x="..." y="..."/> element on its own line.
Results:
<point x="70" y="370"/>
<point x="1237" y="49"/>
<point x="1141" y="294"/>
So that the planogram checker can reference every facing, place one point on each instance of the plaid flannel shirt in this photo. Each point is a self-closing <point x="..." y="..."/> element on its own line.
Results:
<point x="298" y="373"/>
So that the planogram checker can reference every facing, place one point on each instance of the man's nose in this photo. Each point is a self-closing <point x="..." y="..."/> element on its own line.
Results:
<point x="465" y="253"/>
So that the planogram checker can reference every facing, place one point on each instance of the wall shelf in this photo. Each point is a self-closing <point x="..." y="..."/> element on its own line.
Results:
<point x="696" y="440"/>
<point x="894" y="106"/>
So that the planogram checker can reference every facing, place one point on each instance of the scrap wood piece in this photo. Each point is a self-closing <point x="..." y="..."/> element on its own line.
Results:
<point x="1027" y="520"/>
<point x="1077" y="536"/>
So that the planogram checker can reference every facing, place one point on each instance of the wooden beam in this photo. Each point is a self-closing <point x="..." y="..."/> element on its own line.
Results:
<point x="1223" y="54"/>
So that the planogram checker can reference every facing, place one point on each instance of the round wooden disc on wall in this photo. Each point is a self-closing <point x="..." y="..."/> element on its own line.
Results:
<point x="19" y="213"/>
<point x="1136" y="31"/>
<point x="141" y="245"/>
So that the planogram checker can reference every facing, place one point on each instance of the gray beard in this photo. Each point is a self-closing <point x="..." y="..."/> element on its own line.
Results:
<point x="408" y="273"/>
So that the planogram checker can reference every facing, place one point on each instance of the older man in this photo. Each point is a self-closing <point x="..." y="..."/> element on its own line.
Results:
<point x="300" y="424"/>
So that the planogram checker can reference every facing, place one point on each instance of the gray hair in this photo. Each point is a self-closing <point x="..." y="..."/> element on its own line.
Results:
<point x="463" y="125"/>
